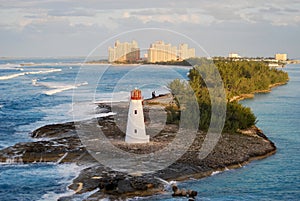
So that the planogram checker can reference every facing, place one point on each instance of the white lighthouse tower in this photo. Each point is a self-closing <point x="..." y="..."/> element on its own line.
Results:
<point x="136" y="132"/>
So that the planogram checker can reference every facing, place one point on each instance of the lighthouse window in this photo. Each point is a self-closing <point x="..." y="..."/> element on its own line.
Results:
<point x="135" y="131"/>
<point x="135" y="111"/>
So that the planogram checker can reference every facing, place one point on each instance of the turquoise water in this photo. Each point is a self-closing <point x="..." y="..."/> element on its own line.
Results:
<point x="276" y="177"/>
<point x="31" y="100"/>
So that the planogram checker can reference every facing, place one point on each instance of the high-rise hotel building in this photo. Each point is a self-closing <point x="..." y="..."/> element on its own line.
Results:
<point x="158" y="52"/>
<point x="161" y="52"/>
<point x="124" y="52"/>
<point x="184" y="52"/>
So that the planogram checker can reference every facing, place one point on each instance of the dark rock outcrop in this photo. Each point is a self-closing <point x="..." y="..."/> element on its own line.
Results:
<point x="60" y="144"/>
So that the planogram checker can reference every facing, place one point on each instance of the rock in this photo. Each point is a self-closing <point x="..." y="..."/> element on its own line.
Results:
<point x="176" y="191"/>
<point x="54" y="130"/>
<point x="124" y="186"/>
<point x="68" y="149"/>
<point x="193" y="194"/>
<point x="183" y="192"/>
<point x="62" y="145"/>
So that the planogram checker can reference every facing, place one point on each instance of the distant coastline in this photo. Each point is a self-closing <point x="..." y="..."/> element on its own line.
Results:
<point x="182" y="63"/>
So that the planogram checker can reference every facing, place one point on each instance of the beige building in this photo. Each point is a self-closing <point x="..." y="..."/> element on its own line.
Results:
<point x="159" y="51"/>
<point x="184" y="52"/>
<point x="124" y="52"/>
<point x="281" y="57"/>
<point x="234" y="55"/>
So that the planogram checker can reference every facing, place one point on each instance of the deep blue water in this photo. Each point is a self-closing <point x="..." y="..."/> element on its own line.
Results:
<point x="42" y="94"/>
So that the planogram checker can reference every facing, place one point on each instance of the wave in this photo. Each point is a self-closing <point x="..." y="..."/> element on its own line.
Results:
<point x="215" y="172"/>
<point x="7" y="77"/>
<point x="43" y="72"/>
<point x="219" y="171"/>
<point x="83" y="111"/>
<point x="9" y="66"/>
<point x="68" y="172"/>
<point x="58" y="88"/>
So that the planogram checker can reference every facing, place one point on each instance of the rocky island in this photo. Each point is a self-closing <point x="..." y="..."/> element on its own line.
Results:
<point x="239" y="143"/>
<point x="60" y="143"/>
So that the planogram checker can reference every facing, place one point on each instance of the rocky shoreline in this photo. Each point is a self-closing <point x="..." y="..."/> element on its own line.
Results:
<point x="60" y="143"/>
<point x="251" y="95"/>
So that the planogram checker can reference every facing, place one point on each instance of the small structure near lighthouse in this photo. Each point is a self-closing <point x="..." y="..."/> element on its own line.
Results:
<point x="135" y="131"/>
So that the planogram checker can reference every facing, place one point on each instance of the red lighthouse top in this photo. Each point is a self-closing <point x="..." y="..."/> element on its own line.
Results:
<point x="136" y="94"/>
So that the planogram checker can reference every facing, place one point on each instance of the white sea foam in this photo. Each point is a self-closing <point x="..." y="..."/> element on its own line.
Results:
<point x="87" y="110"/>
<point x="57" y="87"/>
<point x="52" y="196"/>
<point x="62" y="158"/>
<point x="9" y="66"/>
<point x="64" y="113"/>
<point x="58" y="90"/>
<point x="167" y="184"/>
<point x="43" y="71"/>
<point x="215" y="172"/>
<point x="7" y="77"/>
<point x="218" y="172"/>
<point x="68" y="172"/>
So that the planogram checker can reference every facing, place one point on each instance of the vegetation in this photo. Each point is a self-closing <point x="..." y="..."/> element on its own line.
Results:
<point x="238" y="77"/>
<point x="244" y="77"/>
<point x="173" y="63"/>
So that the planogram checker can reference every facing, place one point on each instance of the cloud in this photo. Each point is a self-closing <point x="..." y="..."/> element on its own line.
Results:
<point x="18" y="14"/>
<point x="277" y="13"/>
<point x="79" y="12"/>
<point x="65" y="19"/>
<point x="165" y="15"/>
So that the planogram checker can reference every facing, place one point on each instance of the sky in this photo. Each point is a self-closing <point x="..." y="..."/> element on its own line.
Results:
<point x="58" y="28"/>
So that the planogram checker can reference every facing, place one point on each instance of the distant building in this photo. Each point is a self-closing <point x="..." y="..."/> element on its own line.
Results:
<point x="234" y="55"/>
<point x="160" y="52"/>
<point x="184" y="52"/>
<point x="281" y="57"/>
<point x="124" y="52"/>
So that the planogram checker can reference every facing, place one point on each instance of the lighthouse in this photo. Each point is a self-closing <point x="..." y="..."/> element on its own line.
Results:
<point x="135" y="131"/>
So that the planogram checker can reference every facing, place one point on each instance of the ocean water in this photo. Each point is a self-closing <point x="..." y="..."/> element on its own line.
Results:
<point x="276" y="177"/>
<point x="36" y="95"/>
<point x="42" y="92"/>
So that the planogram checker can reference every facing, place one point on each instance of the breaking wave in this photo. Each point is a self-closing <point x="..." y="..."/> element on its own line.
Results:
<point x="10" y="66"/>
<point x="7" y="77"/>
<point x="60" y="88"/>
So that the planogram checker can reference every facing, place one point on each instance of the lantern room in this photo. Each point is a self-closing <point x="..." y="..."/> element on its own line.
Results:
<point x="136" y="94"/>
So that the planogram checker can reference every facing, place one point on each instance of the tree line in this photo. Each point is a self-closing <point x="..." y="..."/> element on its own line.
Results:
<point x="236" y="78"/>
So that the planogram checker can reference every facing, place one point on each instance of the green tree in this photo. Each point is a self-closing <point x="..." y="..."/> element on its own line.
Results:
<point x="239" y="77"/>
